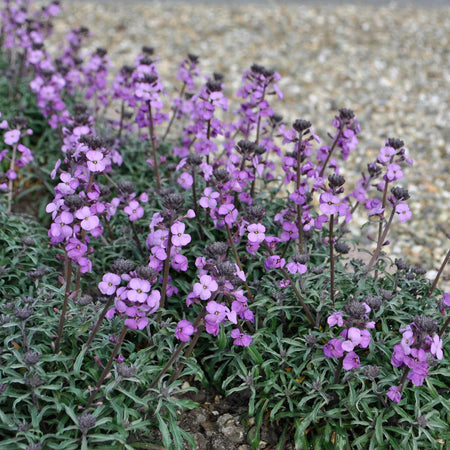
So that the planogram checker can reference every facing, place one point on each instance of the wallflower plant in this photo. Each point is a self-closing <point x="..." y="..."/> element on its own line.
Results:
<point x="185" y="246"/>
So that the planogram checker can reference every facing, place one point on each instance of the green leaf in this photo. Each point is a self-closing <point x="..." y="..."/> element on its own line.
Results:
<point x="164" y="430"/>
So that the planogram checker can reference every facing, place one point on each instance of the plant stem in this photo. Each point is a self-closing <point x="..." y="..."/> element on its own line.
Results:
<point x="107" y="367"/>
<point x="299" y="207"/>
<point x="174" y="113"/>
<point x="238" y="261"/>
<point x="165" y="274"/>
<point x="337" y="374"/>
<point x="441" y="269"/>
<point x="99" y="321"/>
<point x="136" y="238"/>
<point x="330" y="241"/>
<point x="305" y="307"/>
<point x="10" y="180"/>
<point x="187" y="354"/>
<point x="153" y="144"/>
<point x="322" y="171"/>
<point x="380" y="241"/>
<point x="67" y="276"/>
<point x="122" y="114"/>
<point x="169" y="363"/>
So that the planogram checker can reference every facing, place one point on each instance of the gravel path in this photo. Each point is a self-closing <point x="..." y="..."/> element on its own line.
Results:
<point x="389" y="61"/>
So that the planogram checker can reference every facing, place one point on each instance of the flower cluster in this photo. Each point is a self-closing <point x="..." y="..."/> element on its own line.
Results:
<point x="420" y="344"/>
<point x="135" y="297"/>
<point x="355" y="333"/>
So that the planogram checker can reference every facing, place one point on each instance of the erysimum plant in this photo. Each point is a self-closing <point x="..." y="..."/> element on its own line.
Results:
<point x="216" y="256"/>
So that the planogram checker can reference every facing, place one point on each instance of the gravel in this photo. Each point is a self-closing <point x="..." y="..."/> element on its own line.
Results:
<point x="389" y="62"/>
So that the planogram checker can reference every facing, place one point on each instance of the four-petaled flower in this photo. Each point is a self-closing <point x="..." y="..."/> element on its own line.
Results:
<point x="206" y="287"/>
<point x="179" y="238"/>
<point x="256" y="232"/>
<point x="184" y="330"/>
<point x="109" y="283"/>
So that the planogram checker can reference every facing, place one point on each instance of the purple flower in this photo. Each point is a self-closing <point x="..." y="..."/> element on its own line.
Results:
<point x="351" y="361"/>
<point x="274" y="262"/>
<point x="230" y="212"/>
<point x="407" y="341"/>
<point x="446" y="299"/>
<point x="386" y="153"/>
<point x="394" y="172"/>
<point x="333" y="349"/>
<point x="398" y="356"/>
<point x="11" y="137"/>
<point x="89" y="221"/>
<point x="418" y="374"/>
<point x="329" y="203"/>
<point x="353" y="339"/>
<point x="335" y="319"/>
<point x="109" y="283"/>
<point x="179" y="262"/>
<point x="95" y="161"/>
<point x="394" y="393"/>
<point x="404" y="214"/>
<point x="241" y="339"/>
<point x="256" y="232"/>
<point x="209" y="198"/>
<point x="134" y="210"/>
<point x="436" y="347"/>
<point x="290" y="231"/>
<point x="185" y="180"/>
<point x="138" y="322"/>
<point x="138" y="290"/>
<point x="184" y="330"/>
<point x="179" y="238"/>
<point x="216" y="312"/>
<point x="206" y="287"/>
<point x="296" y="267"/>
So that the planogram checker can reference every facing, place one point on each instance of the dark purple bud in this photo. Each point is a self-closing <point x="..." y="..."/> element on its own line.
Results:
<point x="31" y="357"/>
<point x="221" y="175"/>
<point x="218" y="76"/>
<point x="371" y="372"/>
<point x="173" y="201"/>
<point x="373" y="301"/>
<point x="301" y="125"/>
<point x="194" y="159"/>
<point x="214" y="86"/>
<point x="122" y="266"/>
<point x="217" y="250"/>
<point x="342" y="247"/>
<point x="400" y="193"/>
<point x="23" y="313"/>
<point x="355" y="309"/>
<point x="346" y="114"/>
<point x="395" y="143"/>
<point x="84" y="300"/>
<point x="254" y="214"/>
<point x="34" y="381"/>
<point x="401" y="264"/>
<point x="86" y="421"/>
<point x="146" y="273"/>
<point x="147" y="50"/>
<point x="126" y="187"/>
<point x="426" y="324"/>
<point x="126" y="371"/>
<point x="336" y="181"/>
